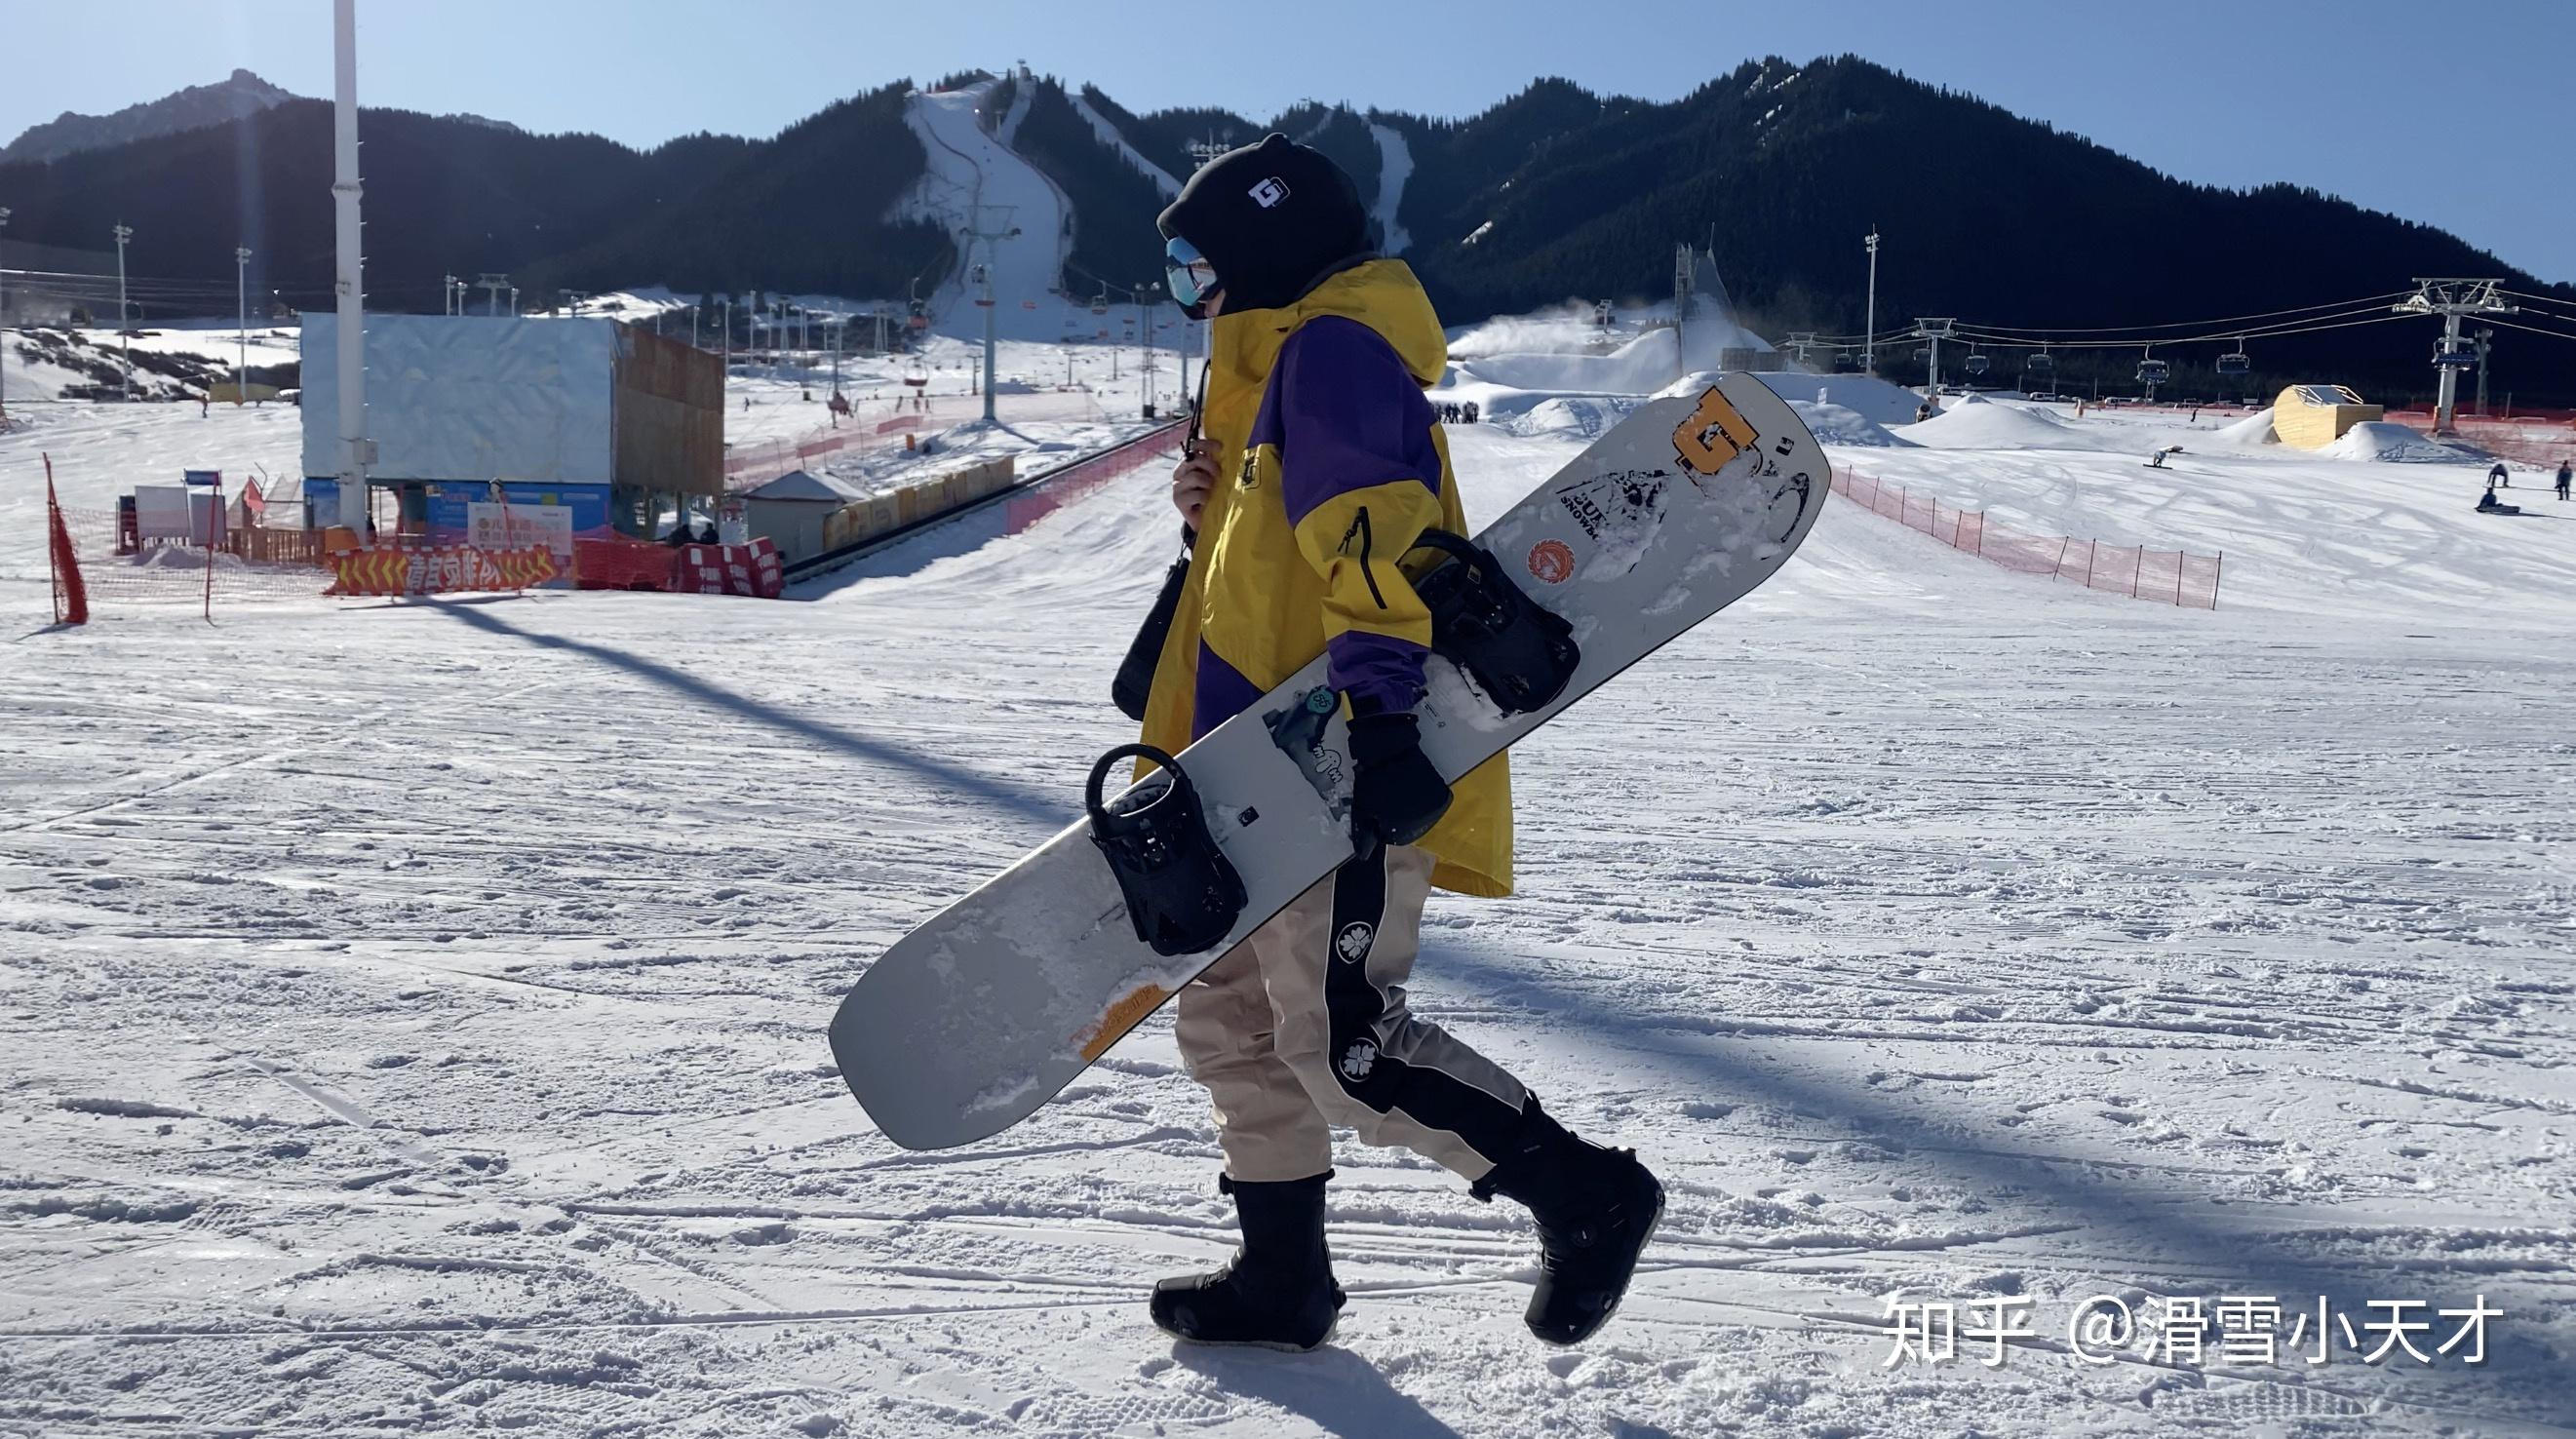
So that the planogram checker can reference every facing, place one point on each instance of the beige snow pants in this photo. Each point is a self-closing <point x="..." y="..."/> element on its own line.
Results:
<point x="1304" y="1025"/>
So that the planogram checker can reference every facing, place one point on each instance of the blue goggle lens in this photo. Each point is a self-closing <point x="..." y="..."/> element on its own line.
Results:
<point x="1187" y="273"/>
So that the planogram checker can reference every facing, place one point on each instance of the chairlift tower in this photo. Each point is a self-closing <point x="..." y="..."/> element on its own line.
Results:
<point x="2485" y="338"/>
<point x="992" y="225"/>
<point x="1799" y="342"/>
<point x="1935" y="330"/>
<point x="492" y="285"/>
<point x="2453" y="300"/>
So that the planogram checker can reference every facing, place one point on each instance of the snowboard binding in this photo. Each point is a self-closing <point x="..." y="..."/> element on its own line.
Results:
<point x="1518" y="652"/>
<point x="1182" y="893"/>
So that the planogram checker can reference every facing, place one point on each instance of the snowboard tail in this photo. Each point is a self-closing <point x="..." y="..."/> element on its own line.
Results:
<point x="976" y="1018"/>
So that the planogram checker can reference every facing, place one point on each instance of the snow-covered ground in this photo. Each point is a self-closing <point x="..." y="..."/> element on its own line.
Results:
<point x="415" y="1012"/>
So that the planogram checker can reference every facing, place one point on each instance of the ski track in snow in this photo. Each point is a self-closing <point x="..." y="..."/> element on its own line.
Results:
<point x="416" y="1012"/>
<point x="1109" y="134"/>
<point x="1394" y="168"/>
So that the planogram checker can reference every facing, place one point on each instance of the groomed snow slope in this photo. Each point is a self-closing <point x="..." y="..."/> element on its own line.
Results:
<point x="415" y="1012"/>
<point x="2309" y="534"/>
<point x="969" y="168"/>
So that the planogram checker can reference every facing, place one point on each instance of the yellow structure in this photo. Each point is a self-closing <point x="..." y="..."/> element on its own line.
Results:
<point x="2315" y="416"/>
<point x="866" y="519"/>
<point x="221" y="393"/>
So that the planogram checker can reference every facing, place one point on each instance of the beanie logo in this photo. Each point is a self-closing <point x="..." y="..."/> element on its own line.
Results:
<point x="1269" y="192"/>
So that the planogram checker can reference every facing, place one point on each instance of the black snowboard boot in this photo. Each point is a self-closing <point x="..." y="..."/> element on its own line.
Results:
<point x="1278" y="1292"/>
<point x="1594" y="1208"/>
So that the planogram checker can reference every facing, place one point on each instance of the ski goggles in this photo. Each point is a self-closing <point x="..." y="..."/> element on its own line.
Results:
<point x="1187" y="272"/>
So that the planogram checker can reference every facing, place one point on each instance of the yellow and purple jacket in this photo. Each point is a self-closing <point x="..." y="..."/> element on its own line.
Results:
<point x="1316" y="411"/>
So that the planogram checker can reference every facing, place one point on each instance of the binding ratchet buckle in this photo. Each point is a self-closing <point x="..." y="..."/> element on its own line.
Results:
<point x="1520" y="653"/>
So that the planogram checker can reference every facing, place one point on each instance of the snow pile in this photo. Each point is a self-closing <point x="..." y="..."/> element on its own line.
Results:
<point x="2390" y="443"/>
<point x="1867" y="396"/>
<point x="1577" y="417"/>
<point x="1841" y="425"/>
<point x="1977" y="423"/>
<point x="2254" y="429"/>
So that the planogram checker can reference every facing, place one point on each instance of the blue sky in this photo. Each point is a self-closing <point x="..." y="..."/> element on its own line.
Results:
<point x="2460" y="114"/>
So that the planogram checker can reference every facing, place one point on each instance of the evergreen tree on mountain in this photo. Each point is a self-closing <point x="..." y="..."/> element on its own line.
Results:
<point x="1552" y="194"/>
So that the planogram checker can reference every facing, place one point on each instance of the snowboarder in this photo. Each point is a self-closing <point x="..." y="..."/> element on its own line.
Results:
<point x="2565" y="472"/>
<point x="2499" y="476"/>
<point x="1320" y="465"/>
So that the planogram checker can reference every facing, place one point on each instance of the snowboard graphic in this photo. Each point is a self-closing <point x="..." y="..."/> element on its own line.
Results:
<point x="982" y="1014"/>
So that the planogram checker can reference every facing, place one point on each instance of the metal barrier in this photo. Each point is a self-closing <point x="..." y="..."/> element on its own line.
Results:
<point x="2166" y="576"/>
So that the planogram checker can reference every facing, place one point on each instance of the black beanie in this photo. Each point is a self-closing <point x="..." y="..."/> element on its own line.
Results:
<point x="1273" y="219"/>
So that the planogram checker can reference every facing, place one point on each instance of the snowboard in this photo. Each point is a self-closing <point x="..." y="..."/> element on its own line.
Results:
<point x="975" y="1019"/>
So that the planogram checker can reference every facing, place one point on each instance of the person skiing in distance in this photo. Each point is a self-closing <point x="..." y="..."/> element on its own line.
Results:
<point x="2500" y="476"/>
<point x="1320" y="464"/>
<point x="2566" y="471"/>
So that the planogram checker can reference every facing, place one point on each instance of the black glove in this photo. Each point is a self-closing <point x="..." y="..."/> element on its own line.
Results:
<point x="1396" y="794"/>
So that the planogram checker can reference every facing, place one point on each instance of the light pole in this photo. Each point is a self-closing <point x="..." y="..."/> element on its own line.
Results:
<point x="124" y="345"/>
<point x="1869" y="326"/>
<point x="4" y="319"/>
<point x="241" y="352"/>
<point x="349" y="266"/>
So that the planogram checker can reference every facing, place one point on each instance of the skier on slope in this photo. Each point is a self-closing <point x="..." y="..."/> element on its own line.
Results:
<point x="1321" y="464"/>
<point x="2566" y="472"/>
<point x="2499" y="476"/>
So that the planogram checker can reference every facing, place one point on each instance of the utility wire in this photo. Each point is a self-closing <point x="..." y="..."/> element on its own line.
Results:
<point x="2213" y="324"/>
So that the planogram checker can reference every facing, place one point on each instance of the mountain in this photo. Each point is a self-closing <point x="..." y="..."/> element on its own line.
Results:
<point x="1553" y="193"/>
<point x="194" y="108"/>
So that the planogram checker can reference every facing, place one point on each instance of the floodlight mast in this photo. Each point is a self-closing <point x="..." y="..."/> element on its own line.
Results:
<point x="1869" y="325"/>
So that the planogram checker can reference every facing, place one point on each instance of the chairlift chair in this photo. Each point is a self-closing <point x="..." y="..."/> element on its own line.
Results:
<point x="1976" y="364"/>
<point x="2042" y="364"/>
<point x="2457" y="357"/>
<point x="2235" y="363"/>
<point x="2154" y="372"/>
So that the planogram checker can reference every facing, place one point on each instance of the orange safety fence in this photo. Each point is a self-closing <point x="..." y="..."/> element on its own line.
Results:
<point x="2166" y="576"/>
<point x="1082" y="478"/>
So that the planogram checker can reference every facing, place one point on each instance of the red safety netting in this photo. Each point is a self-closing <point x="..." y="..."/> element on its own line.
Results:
<point x="2545" y="439"/>
<point x="103" y="558"/>
<point x="624" y="564"/>
<point x="2168" y="576"/>
<point x="1077" y="480"/>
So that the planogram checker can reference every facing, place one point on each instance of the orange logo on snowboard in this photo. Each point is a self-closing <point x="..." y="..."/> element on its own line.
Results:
<point x="1551" y="561"/>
